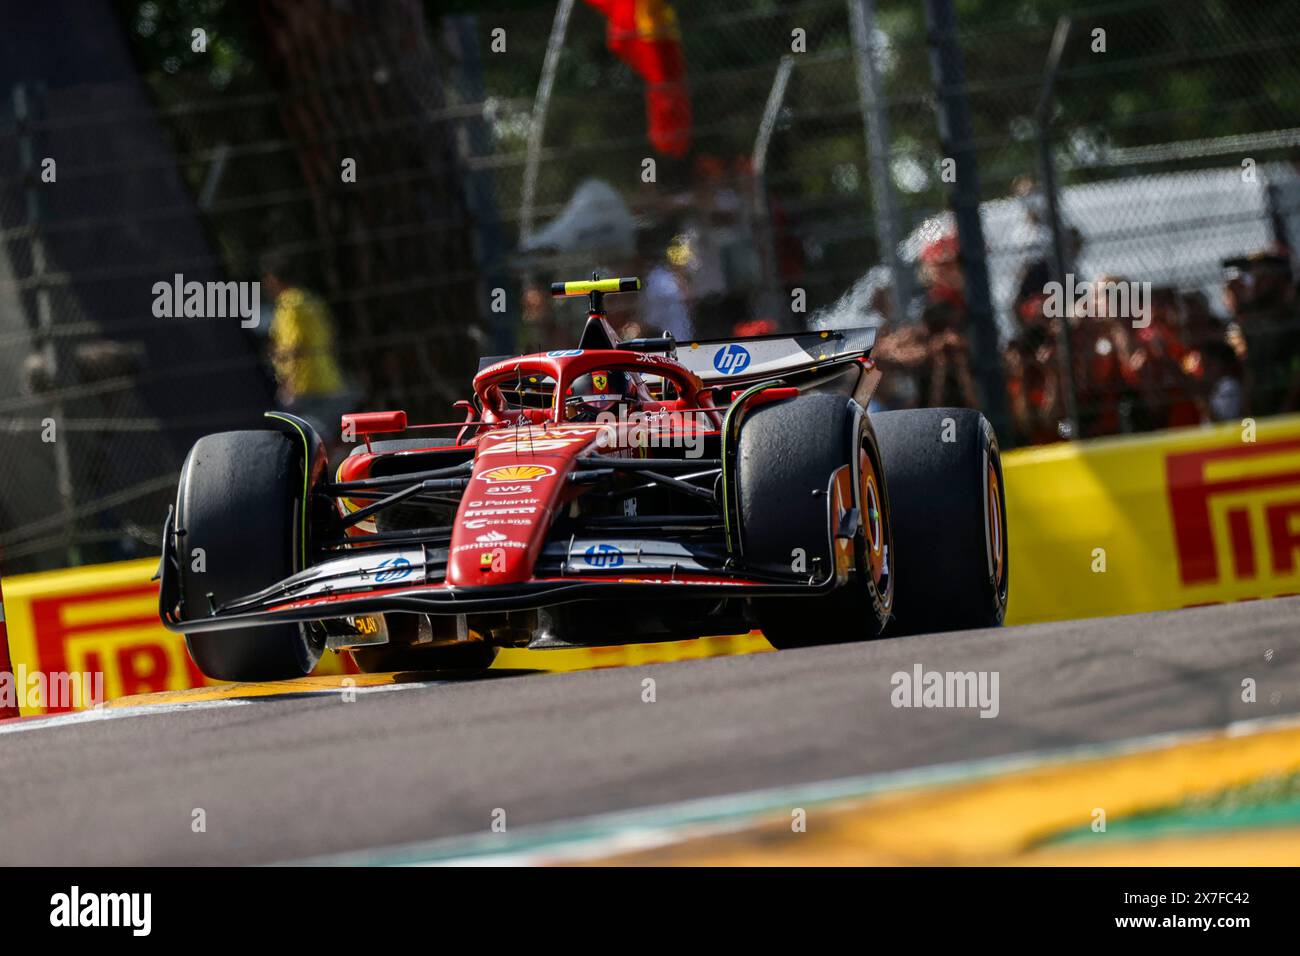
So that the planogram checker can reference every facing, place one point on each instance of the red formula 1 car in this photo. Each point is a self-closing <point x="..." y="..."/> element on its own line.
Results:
<point x="611" y="493"/>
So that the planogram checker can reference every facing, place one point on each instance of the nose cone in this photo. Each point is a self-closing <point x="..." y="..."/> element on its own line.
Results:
<point x="517" y="488"/>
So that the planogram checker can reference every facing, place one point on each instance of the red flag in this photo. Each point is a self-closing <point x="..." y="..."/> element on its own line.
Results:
<point x="644" y="35"/>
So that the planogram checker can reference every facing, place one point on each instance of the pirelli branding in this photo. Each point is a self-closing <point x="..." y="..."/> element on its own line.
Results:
<point x="1236" y="512"/>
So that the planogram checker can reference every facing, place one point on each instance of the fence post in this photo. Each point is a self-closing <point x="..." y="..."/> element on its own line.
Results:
<point x="1060" y="260"/>
<point x="30" y="166"/>
<point x="875" y="124"/>
<point x="537" y="130"/>
<point x="955" y="137"/>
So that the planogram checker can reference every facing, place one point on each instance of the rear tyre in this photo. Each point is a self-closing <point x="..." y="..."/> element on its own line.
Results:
<point x="950" y="519"/>
<point x="791" y="456"/>
<point x="240" y="502"/>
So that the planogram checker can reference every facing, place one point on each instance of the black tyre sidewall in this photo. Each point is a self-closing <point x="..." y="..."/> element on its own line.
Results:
<point x="239" y="499"/>
<point x="937" y="496"/>
<point x="786" y="456"/>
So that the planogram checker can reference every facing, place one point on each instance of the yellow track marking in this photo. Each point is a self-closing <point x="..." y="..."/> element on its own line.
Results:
<point x="1000" y="820"/>
<point x="318" y="684"/>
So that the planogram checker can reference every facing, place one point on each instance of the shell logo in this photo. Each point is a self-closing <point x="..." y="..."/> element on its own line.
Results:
<point x="516" y="473"/>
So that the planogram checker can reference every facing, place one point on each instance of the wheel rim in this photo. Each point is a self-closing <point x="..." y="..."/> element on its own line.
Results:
<point x="993" y="509"/>
<point x="874" y="526"/>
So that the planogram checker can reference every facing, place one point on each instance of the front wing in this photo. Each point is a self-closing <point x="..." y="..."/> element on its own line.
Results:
<point x="397" y="579"/>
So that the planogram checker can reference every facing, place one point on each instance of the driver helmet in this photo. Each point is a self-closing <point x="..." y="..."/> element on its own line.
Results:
<point x="596" y="392"/>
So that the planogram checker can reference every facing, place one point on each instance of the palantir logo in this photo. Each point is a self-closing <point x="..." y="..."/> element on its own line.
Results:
<point x="731" y="359"/>
<point x="604" y="556"/>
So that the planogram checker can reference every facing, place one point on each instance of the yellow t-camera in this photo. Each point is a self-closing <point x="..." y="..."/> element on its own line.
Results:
<point x="587" y="286"/>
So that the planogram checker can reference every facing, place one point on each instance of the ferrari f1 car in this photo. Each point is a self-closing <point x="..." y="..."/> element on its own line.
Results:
<point x="615" y="492"/>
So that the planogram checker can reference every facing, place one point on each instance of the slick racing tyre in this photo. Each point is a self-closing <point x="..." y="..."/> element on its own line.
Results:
<point x="950" y="519"/>
<point x="791" y="456"/>
<point x="238" y="521"/>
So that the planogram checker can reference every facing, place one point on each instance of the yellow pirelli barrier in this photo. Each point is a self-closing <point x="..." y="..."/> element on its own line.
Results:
<point x="1113" y="526"/>
<point x="98" y="622"/>
<point x="1154" y="522"/>
<point x="103" y="620"/>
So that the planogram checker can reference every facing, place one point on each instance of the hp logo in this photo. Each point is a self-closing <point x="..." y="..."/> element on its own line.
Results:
<point x="731" y="359"/>
<point x="604" y="556"/>
<point x="394" y="569"/>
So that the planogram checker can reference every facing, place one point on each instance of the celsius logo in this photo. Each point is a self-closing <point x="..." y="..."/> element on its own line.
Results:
<point x="604" y="556"/>
<point x="516" y="473"/>
<point x="731" y="359"/>
<point x="394" y="569"/>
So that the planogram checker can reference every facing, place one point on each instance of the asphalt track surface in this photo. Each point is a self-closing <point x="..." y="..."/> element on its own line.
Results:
<point x="284" y="779"/>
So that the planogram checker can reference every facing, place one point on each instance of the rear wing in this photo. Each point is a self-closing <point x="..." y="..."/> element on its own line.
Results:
<point x="735" y="361"/>
<point x="750" y="359"/>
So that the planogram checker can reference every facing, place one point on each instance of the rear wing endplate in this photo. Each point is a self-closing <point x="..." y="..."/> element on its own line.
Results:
<point x="718" y="361"/>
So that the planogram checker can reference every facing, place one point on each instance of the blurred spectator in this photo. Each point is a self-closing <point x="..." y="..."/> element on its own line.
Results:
<point x="944" y="377"/>
<point x="308" y="379"/>
<point x="1104" y="377"/>
<point x="1225" y="398"/>
<point x="1158" y="365"/>
<point x="1033" y="373"/>
<point x="663" y="295"/>
<point x="900" y="351"/>
<point x="1211" y="361"/>
<point x="1260" y="297"/>
<point x="722" y="264"/>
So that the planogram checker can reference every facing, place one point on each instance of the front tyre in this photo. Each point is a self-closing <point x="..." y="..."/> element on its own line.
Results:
<point x="949" y="516"/>
<point x="238" y="524"/>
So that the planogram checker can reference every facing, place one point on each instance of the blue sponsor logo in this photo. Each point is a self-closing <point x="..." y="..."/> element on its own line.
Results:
<point x="604" y="556"/>
<point x="394" y="569"/>
<point x="731" y="359"/>
<point x="564" y="353"/>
